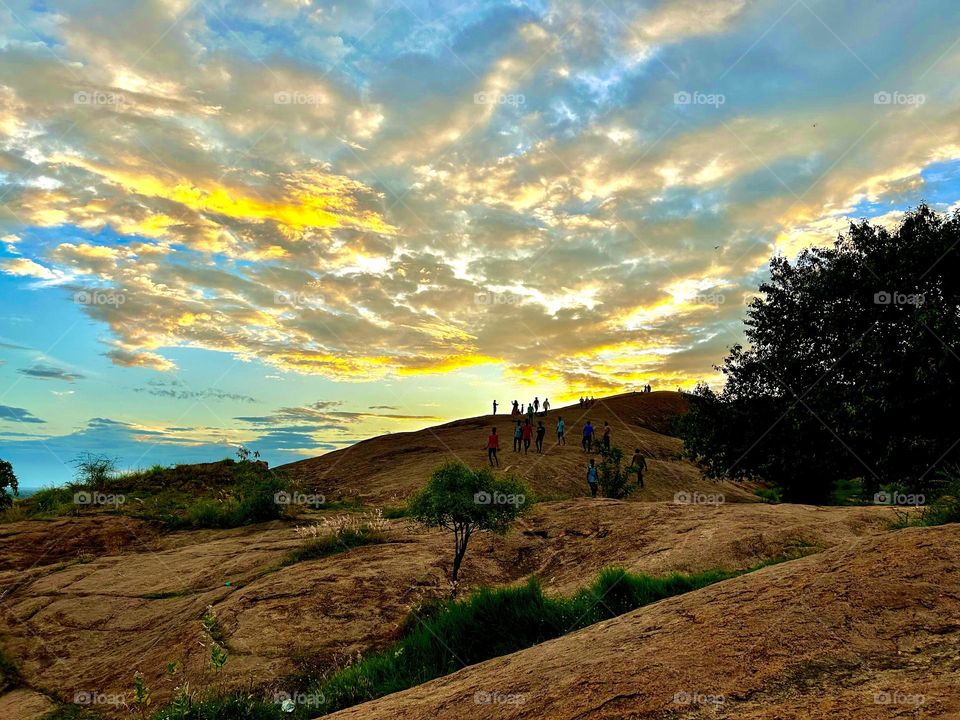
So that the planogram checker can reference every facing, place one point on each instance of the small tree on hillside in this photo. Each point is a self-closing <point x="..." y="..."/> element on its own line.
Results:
<point x="467" y="501"/>
<point x="613" y="477"/>
<point x="94" y="471"/>
<point x="7" y="480"/>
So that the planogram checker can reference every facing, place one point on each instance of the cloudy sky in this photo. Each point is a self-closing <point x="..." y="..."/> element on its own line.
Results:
<point x="295" y="224"/>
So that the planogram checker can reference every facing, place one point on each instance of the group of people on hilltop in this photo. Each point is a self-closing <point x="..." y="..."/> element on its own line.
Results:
<point x="533" y="408"/>
<point x="525" y="434"/>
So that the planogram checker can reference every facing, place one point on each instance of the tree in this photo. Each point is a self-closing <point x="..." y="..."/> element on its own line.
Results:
<point x="7" y="480"/>
<point x="467" y="501"/>
<point x="613" y="477"/>
<point x="94" y="471"/>
<point x="853" y="363"/>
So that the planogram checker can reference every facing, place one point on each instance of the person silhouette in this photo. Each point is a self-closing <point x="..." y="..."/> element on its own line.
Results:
<point x="541" y="431"/>
<point x="494" y="407"/>
<point x="493" y="444"/>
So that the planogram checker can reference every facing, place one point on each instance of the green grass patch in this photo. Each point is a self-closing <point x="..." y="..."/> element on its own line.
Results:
<point x="448" y="635"/>
<point x="332" y="544"/>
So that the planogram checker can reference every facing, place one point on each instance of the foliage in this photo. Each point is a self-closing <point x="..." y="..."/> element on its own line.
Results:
<point x="944" y="507"/>
<point x="612" y="475"/>
<point x="466" y="501"/>
<point x="94" y="471"/>
<point x="443" y="637"/>
<point x="339" y="534"/>
<point x="851" y="366"/>
<point x="7" y="480"/>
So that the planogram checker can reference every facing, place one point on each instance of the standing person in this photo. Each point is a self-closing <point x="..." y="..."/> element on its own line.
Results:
<point x="561" y="428"/>
<point x="639" y="464"/>
<point x="606" y="436"/>
<point x="493" y="444"/>
<point x="527" y="433"/>
<point x="592" y="477"/>
<point x="587" y="437"/>
<point x="530" y="412"/>
<point x="581" y="401"/>
<point x="517" y="434"/>
<point x="536" y="404"/>
<point x="546" y="406"/>
<point x="541" y="431"/>
<point x="494" y="407"/>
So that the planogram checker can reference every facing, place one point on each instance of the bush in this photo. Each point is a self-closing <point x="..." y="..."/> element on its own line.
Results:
<point x="613" y="478"/>
<point x="771" y="495"/>
<point x="944" y="508"/>
<point x="448" y="635"/>
<point x="467" y="501"/>
<point x="7" y="480"/>
<point x="94" y="471"/>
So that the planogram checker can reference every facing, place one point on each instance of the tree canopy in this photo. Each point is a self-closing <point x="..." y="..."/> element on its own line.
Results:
<point x="852" y="368"/>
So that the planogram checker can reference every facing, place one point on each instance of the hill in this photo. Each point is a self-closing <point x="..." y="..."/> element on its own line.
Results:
<point x="864" y="631"/>
<point x="389" y="468"/>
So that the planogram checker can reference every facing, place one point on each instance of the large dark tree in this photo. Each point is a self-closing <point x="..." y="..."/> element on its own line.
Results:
<point x="852" y="368"/>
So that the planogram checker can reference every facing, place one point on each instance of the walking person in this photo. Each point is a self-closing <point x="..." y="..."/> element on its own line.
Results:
<point x="587" y="437"/>
<point x="606" y="436"/>
<point x="561" y="429"/>
<point x="536" y="404"/>
<point x="530" y="412"/>
<point x="493" y="444"/>
<point x="639" y="465"/>
<point x="546" y="406"/>
<point x="517" y="434"/>
<point x="527" y="434"/>
<point x="541" y="431"/>
<point x="592" y="477"/>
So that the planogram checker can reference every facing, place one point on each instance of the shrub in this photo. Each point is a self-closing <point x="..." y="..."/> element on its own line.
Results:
<point x="94" y="471"/>
<point x="613" y="478"/>
<point x="466" y="501"/>
<point x="7" y="480"/>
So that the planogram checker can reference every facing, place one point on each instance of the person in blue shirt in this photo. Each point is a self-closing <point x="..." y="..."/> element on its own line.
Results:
<point x="587" y="437"/>
<point x="592" y="477"/>
<point x="561" y="428"/>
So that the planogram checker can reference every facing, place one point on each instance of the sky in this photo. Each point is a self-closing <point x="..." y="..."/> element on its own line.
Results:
<point x="295" y="224"/>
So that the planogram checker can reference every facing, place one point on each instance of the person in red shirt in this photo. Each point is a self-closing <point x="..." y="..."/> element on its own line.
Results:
<point x="493" y="444"/>
<point x="527" y="434"/>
